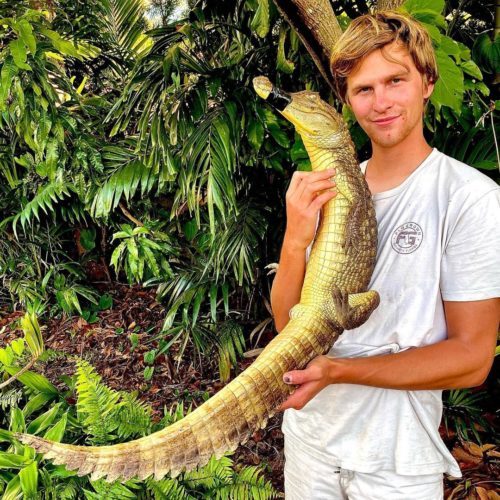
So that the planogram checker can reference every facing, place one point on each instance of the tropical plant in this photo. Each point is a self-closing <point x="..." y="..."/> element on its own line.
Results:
<point x="130" y="135"/>
<point x="104" y="416"/>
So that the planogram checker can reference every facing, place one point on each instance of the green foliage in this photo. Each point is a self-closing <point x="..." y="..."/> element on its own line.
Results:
<point x="462" y="412"/>
<point x="460" y="78"/>
<point x="122" y="417"/>
<point x="137" y="249"/>
<point x="105" y="413"/>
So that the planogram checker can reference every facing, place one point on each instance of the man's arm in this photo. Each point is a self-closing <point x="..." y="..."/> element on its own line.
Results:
<point x="462" y="360"/>
<point x="307" y="193"/>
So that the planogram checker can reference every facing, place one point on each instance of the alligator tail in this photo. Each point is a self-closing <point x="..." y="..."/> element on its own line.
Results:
<point x="219" y="425"/>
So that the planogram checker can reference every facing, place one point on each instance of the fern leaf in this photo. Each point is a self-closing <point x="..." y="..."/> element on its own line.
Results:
<point x="133" y="417"/>
<point x="111" y="491"/>
<point x="96" y="404"/>
<point x="167" y="489"/>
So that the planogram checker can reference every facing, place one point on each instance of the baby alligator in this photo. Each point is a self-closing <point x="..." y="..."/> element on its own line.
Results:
<point x="333" y="298"/>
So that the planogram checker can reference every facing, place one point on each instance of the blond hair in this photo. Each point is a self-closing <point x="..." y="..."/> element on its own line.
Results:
<point x="374" y="31"/>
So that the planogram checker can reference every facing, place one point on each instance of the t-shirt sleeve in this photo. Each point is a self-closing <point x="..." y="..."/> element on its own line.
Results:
<point x="470" y="267"/>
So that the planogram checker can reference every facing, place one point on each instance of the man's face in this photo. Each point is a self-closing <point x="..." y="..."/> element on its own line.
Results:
<point x="388" y="97"/>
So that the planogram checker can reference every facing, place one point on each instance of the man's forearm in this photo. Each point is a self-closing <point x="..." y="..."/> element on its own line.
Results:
<point x="446" y="365"/>
<point x="288" y="282"/>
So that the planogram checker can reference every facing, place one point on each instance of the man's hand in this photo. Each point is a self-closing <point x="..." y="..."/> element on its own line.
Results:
<point x="307" y="193"/>
<point x="310" y="381"/>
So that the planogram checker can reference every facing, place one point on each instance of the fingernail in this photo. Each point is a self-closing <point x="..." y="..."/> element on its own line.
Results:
<point x="287" y="379"/>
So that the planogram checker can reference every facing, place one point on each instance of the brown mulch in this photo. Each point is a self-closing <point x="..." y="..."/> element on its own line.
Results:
<point x="107" y="345"/>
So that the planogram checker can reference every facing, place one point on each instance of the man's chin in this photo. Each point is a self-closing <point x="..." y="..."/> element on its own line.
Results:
<point x="386" y="141"/>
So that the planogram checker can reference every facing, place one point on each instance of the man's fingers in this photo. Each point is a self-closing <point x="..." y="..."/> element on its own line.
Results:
<point x="320" y="200"/>
<point x="297" y="399"/>
<point x="299" y="377"/>
<point x="309" y="177"/>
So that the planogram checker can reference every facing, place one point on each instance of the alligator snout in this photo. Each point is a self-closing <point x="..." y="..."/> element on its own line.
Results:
<point x="274" y="96"/>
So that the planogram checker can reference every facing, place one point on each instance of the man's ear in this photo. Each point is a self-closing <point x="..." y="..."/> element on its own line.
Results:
<point x="428" y="88"/>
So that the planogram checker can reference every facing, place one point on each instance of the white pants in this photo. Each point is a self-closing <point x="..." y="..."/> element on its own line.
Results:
<point x="307" y="478"/>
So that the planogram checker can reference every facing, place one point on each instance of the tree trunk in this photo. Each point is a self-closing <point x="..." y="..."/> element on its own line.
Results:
<point x="317" y="27"/>
<point x="389" y="4"/>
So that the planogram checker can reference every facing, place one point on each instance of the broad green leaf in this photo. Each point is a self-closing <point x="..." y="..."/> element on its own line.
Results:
<point x="8" y="460"/>
<point x="413" y="6"/>
<point x="471" y="68"/>
<point x="63" y="46"/>
<point x="449" y="89"/>
<point x="260" y="22"/>
<point x="37" y="402"/>
<point x="43" y="421"/>
<point x="9" y="70"/>
<point x="282" y="63"/>
<point x="17" y="346"/>
<point x="28" y="477"/>
<point x="148" y="372"/>
<point x="486" y="164"/>
<point x="213" y="301"/>
<point x="279" y="135"/>
<point x="7" y="356"/>
<point x="87" y="238"/>
<point x="34" y="381"/>
<point x="486" y="53"/>
<point x="190" y="229"/>
<point x="33" y="335"/>
<point x="6" y="436"/>
<point x="18" y="51"/>
<point x="450" y="47"/>
<point x="434" y="32"/>
<point x="17" y="423"/>
<point x="26" y="34"/>
<point x="56" y="433"/>
<point x="255" y="133"/>
<point x="51" y="157"/>
<point x="430" y="17"/>
<point x="105" y="302"/>
<point x="13" y="489"/>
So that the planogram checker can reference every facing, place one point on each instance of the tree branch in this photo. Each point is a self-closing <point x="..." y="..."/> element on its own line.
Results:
<point x="18" y="374"/>
<point x="129" y="216"/>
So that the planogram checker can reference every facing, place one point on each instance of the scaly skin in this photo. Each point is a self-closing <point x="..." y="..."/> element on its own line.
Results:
<point x="333" y="298"/>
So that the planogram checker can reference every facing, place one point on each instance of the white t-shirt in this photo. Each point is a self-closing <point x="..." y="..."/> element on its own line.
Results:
<point x="439" y="239"/>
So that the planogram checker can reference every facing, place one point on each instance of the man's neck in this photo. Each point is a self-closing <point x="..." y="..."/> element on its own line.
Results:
<point x="389" y="167"/>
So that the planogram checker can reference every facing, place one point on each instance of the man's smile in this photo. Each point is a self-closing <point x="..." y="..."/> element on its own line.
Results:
<point x="387" y="120"/>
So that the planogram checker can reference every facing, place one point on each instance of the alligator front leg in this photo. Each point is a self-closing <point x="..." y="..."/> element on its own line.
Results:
<point x="352" y="310"/>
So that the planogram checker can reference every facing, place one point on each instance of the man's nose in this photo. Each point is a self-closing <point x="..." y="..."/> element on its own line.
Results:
<point x="381" y="100"/>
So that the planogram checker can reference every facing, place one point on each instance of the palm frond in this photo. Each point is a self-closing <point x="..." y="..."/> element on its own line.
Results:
<point x="209" y="160"/>
<point x="127" y="25"/>
<point x="127" y="176"/>
<point x="50" y="194"/>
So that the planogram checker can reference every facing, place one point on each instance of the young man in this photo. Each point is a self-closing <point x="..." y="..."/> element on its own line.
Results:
<point x="363" y="421"/>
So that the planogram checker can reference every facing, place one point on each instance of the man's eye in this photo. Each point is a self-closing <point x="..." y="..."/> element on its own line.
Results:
<point x="396" y="80"/>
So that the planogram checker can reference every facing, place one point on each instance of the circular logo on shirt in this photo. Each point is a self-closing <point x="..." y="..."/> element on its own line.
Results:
<point x="407" y="238"/>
